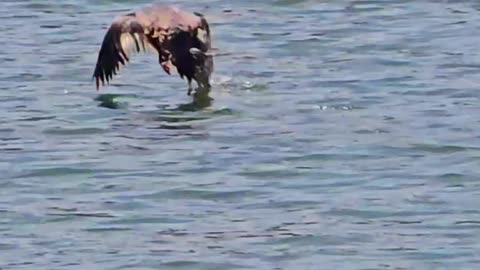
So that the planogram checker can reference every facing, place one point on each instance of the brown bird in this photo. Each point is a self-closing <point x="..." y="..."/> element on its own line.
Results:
<point x="181" y="39"/>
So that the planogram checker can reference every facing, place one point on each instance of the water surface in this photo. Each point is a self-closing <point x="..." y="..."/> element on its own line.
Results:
<point x="341" y="135"/>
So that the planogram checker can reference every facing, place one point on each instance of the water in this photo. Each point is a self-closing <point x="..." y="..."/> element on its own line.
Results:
<point x="341" y="135"/>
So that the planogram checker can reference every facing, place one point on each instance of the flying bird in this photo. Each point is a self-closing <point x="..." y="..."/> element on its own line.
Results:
<point x="181" y="39"/>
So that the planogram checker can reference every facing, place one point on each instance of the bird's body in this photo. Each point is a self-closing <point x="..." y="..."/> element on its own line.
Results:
<point x="181" y="39"/>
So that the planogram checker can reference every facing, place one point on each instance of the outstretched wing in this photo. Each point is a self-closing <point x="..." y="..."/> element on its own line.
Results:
<point x="125" y="35"/>
<point x="149" y="29"/>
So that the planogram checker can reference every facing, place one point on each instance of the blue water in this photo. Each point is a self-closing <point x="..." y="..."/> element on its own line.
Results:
<point x="341" y="135"/>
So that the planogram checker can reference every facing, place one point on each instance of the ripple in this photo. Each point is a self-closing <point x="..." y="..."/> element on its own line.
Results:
<point x="58" y="171"/>
<point x="73" y="131"/>
<point x="181" y="194"/>
<point x="79" y="214"/>
<point x="148" y="220"/>
<point x="432" y="148"/>
<point x="102" y="230"/>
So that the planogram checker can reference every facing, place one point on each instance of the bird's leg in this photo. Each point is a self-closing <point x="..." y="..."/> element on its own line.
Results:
<point x="190" y="87"/>
<point x="203" y="89"/>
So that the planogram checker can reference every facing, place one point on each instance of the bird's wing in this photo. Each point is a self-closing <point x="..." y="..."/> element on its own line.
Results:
<point x="145" y="30"/>
<point x="125" y="35"/>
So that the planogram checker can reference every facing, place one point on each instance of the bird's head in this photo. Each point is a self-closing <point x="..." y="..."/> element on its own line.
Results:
<point x="203" y="66"/>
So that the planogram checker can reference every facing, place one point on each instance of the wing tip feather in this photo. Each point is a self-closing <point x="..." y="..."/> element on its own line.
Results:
<point x="112" y="54"/>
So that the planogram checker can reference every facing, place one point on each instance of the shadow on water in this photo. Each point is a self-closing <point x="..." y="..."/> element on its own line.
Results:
<point x="176" y="117"/>
<point x="110" y="101"/>
<point x="201" y="100"/>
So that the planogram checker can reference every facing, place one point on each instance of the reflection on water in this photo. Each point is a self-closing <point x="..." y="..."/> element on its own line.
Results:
<point x="110" y="101"/>
<point x="201" y="100"/>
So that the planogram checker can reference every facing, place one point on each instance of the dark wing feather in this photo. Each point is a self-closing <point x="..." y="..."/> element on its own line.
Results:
<point x="124" y="36"/>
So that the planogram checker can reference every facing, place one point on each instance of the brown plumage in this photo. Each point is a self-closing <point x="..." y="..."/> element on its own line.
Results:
<point x="181" y="39"/>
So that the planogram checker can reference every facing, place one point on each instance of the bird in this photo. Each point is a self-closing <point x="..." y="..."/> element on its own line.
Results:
<point x="181" y="38"/>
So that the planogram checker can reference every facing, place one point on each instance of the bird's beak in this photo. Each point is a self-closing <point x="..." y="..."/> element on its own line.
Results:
<point x="196" y="53"/>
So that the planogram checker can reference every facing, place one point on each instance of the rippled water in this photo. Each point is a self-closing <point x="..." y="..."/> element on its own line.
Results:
<point x="342" y="135"/>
